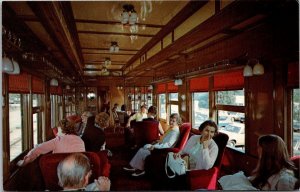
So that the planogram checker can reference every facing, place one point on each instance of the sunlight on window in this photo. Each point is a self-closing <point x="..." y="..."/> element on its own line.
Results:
<point x="296" y="121"/>
<point x="15" y="125"/>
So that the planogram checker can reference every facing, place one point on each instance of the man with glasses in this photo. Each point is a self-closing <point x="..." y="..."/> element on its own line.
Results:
<point x="168" y="140"/>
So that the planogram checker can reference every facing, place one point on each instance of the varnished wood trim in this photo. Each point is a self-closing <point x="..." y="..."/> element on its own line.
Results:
<point x="114" y="33"/>
<point x="114" y="23"/>
<point x="181" y="16"/>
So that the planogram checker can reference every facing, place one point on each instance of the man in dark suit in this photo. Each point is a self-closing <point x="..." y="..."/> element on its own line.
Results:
<point x="94" y="136"/>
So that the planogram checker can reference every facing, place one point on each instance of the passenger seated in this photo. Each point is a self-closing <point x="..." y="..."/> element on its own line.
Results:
<point x="94" y="136"/>
<point x="67" y="142"/>
<point x="73" y="174"/>
<point x="274" y="170"/>
<point x="139" y="116"/>
<point x="80" y="127"/>
<point x="201" y="150"/>
<point x="168" y="140"/>
<point x="151" y="117"/>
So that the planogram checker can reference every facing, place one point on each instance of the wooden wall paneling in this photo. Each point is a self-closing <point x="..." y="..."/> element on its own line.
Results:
<point x="234" y="14"/>
<point x="260" y="108"/>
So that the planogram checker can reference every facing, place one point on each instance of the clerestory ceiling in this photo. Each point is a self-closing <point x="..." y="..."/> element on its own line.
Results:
<point x="75" y="36"/>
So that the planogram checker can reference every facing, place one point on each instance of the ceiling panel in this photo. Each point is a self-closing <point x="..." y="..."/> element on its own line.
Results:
<point x="124" y="42"/>
<point x="20" y="8"/>
<point x="148" y="11"/>
<point x="118" y="28"/>
<point x="42" y="34"/>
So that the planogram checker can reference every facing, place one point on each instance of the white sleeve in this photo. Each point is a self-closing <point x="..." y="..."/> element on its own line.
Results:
<point x="169" y="141"/>
<point x="209" y="156"/>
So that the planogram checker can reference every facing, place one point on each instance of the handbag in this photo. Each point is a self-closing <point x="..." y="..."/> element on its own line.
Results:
<point x="177" y="166"/>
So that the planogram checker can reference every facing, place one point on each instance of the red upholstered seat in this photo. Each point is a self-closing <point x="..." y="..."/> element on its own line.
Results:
<point x="55" y="131"/>
<point x="48" y="164"/>
<point x="155" y="163"/>
<point x="207" y="179"/>
<point x="145" y="132"/>
<point x="74" y="118"/>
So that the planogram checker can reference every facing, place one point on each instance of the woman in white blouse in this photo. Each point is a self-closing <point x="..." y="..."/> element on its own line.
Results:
<point x="201" y="149"/>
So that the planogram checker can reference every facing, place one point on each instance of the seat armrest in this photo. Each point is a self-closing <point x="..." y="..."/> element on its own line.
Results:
<point x="165" y="150"/>
<point x="203" y="179"/>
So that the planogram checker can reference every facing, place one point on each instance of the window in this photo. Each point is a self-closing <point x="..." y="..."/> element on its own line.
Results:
<point x="162" y="106"/>
<point x="200" y="109"/>
<point x="174" y="109"/>
<point x="173" y="100"/>
<point x="37" y="118"/>
<point x="296" y="121"/>
<point x="231" y="117"/>
<point x="173" y="96"/>
<point x="15" y="126"/>
<point x="231" y="97"/>
<point x="35" y="129"/>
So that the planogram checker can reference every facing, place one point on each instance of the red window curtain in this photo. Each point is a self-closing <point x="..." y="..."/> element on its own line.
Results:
<point x="172" y="88"/>
<point x="37" y="85"/>
<point x="59" y="91"/>
<point x="293" y="74"/>
<point x="199" y="84"/>
<point x="19" y="83"/>
<point x="230" y="80"/>
<point x="161" y="88"/>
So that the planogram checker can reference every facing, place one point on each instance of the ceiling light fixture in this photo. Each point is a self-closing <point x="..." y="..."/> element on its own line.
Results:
<point x="53" y="82"/>
<point x="129" y="15"/>
<point x="107" y="61"/>
<point x="114" y="47"/>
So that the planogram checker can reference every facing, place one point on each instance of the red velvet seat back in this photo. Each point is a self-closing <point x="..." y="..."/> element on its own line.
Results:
<point x="74" y="118"/>
<point x="207" y="179"/>
<point x="185" y="129"/>
<point x="145" y="132"/>
<point x="48" y="164"/>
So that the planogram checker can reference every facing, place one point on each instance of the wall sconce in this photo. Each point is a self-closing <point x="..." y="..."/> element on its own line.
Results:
<point x="119" y="87"/>
<point x="10" y="66"/>
<point x="68" y="87"/>
<point x="53" y="82"/>
<point x="258" y="69"/>
<point x="150" y="87"/>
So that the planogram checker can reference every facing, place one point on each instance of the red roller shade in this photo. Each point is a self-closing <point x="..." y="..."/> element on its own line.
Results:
<point x="161" y="88"/>
<point x="171" y="87"/>
<point x="199" y="84"/>
<point x="230" y="80"/>
<point x="19" y="83"/>
<point x="37" y="85"/>
<point x="293" y="74"/>
<point x="59" y="91"/>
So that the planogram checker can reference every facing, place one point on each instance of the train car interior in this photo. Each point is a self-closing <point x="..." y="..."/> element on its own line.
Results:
<point x="97" y="67"/>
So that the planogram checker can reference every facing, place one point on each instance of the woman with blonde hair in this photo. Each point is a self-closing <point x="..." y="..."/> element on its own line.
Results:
<point x="67" y="142"/>
<point x="274" y="170"/>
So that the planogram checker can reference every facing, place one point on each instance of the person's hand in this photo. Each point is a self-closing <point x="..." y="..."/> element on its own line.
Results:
<point x="20" y="163"/>
<point x="23" y="162"/>
<point x="176" y="155"/>
<point x="103" y="183"/>
<point x="206" y="141"/>
<point x="151" y="148"/>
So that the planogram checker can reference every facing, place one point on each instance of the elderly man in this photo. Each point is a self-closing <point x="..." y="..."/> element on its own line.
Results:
<point x="73" y="174"/>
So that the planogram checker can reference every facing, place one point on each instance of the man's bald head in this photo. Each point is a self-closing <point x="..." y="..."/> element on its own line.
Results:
<point x="72" y="170"/>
